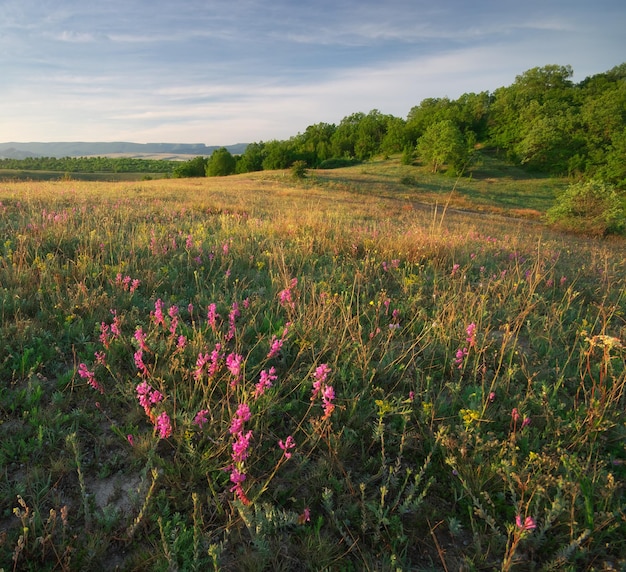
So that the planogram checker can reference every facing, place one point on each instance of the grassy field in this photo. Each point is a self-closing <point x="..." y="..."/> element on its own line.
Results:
<point x="347" y="372"/>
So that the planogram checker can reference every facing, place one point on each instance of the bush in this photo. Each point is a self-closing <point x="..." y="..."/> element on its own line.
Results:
<point x="589" y="207"/>
<point x="299" y="169"/>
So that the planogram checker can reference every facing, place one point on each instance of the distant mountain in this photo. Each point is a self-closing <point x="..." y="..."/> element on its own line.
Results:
<point x="13" y="153"/>
<point x="82" y="149"/>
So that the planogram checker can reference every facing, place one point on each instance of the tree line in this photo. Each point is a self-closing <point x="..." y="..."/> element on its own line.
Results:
<point x="543" y="121"/>
<point x="90" y="165"/>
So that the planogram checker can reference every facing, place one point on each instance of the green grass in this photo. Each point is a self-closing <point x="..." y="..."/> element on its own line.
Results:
<point x="476" y="362"/>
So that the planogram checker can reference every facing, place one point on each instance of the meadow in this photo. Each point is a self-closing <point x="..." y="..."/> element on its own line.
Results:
<point x="346" y="372"/>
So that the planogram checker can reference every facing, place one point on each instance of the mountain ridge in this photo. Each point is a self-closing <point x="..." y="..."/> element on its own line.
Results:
<point x="16" y="150"/>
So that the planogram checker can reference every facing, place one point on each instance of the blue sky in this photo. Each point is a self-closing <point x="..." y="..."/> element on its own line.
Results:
<point x="222" y="72"/>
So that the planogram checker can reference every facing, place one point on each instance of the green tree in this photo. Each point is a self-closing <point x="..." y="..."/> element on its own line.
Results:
<point x="431" y="110"/>
<point x="443" y="144"/>
<point x="252" y="158"/>
<point x="221" y="163"/>
<point x="278" y="155"/>
<point x="195" y="167"/>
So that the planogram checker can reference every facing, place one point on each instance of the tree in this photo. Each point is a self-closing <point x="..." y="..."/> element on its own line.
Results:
<point x="195" y="167"/>
<point x="443" y="143"/>
<point x="278" y="155"/>
<point x="252" y="158"/>
<point x="221" y="163"/>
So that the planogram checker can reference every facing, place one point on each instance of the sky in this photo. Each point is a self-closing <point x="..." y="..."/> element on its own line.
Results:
<point x="224" y="72"/>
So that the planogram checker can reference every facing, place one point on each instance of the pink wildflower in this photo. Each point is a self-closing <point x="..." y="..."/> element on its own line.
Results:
<point x="173" y="325"/>
<point x="115" y="326"/>
<point x="141" y="366"/>
<point x="265" y="382"/>
<point x="100" y="358"/>
<point x="141" y="339"/>
<point x="214" y="363"/>
<point x="233" y="363"/>
<point x="104" y="335"/>
<point x="515" y="415"/>
<point x="528" y="523"/>
<point x="201" y="418"/>
<point x="212" y="316"/>
<point x="525" y="422"/>
<point x="275" y="348"/>
<point x="241" y="446"/>
<point x="143" y="395"/>
<point x="238" y="478"/>
<point x="164" y="425"/>
<point x="328" y="395"/>
<point x="134" y="285"/>
<point x="131" y="440"/>
<point x="90" y="376"/>
<point x="288" y="444"/>
<point x="460" y="356"/>
<point x="471" y="334"/>
<point x="319" y="376"/>
<point x="159" y="319"/>
<point x="200" y="363"/>
<point x="232" y="321"/>
<point x="241" y="416"/>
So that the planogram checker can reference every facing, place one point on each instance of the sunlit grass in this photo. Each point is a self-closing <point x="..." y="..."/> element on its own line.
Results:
<point x="254" y="372"/>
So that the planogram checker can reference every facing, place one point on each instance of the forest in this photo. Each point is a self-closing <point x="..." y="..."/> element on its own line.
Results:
<point x="543" y="122"/>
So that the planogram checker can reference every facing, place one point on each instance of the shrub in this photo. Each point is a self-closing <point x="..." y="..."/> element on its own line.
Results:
<point x="299" y="169"/>
<point x="589" y="207"/>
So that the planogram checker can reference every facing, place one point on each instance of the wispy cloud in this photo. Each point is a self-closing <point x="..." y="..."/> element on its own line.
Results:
<point x="219" y="72"/>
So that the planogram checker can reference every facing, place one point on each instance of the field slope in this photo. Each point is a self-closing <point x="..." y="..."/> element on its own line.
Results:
<point x="347" y="372"/>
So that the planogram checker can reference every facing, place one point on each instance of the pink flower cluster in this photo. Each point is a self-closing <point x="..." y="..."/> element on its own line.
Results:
<point x="320" y="387"/>
<point x="277" y="343"/>
<point x="240" y="446"/>
<point x="233" y="363"/>
<point x="213" y="361"/>
<point x="163" y="425"/>
<point x="286" y="446"/>
<point x="515" y="417"/>
<point x="90" y="376"/>
<point x="110" y="332"/>
<point x="285" y="296"/>
<point x="148" y="397"/>
<point x="266" y="379"/>
<point x="232" y="321"/>
<point x="201" y="418"/>
<point x="527" y="524"/>
<point x="127" y="283"/>
<point x="462" y="353"/>
<point x="212" y="316"/>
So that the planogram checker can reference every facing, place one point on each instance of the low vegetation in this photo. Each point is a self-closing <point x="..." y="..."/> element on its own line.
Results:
<point x="344" y="371"/>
